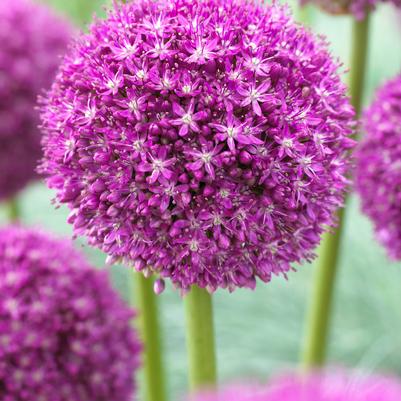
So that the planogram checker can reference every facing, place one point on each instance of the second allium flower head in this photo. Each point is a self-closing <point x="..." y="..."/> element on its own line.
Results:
<point x="65" y="334"/>
<point x="379" y="166"/>
<point x="32" y="39"/>
<point x="205" y="140"/>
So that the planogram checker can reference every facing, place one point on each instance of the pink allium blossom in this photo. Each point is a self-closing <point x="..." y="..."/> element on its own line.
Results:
<point x="32" y="39"/>
<point x="378" y="172"/>
<point x="358" y="8"/>
<point x="317" y="387"/>
<point x="65" y="334"/>
<point x="334" y="386"/>
<point x="216" y="149"/>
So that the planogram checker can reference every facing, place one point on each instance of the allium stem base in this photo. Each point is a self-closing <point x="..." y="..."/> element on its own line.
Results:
<point x="314" y="353"/>
<point x="149" y="326"/>
<point x="200" y="339"/>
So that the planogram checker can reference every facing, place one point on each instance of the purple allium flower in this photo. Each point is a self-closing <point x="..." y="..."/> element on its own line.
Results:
<point x="32" y="39"/>
<point x="317" y="387"/>
<point x="205" y="141"/>
<point x="358" y="8"/>
<point x="378" y="172"/>
<point x="65" y="334"/>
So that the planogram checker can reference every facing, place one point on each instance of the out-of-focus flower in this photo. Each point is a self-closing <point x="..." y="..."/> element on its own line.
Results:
<point x="378" y="172"/>
<point x="65" y="334"/>
<point x="337" y="386"/>
<point x="205" y="141"/>
<point x="334" y="386"/>
<point x="32" y="40"/>
<point x="358" y="8"/>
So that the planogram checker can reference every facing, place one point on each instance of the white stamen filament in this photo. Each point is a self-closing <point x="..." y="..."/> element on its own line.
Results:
<point x="187" y="118"/>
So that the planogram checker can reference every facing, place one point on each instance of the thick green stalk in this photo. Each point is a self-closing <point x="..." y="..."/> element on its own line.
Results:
<point x="359" y="56"/>
<point x="303" y="14"/>
<point x="200" y="339"/>
<point x="318" y="323"/>
<point x="83" y="10"/>
<point x="149" y="326"/>
<point x="13" y="210"/>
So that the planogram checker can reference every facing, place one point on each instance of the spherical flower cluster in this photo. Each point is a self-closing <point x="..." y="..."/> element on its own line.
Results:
<point x="378" y="170"/>
<point x="316" y="387"/>
<point x="358" y="8"/>
<point x="32" y="40"/>
<point x="65" y="334"/>
<point x="205" y="141"/>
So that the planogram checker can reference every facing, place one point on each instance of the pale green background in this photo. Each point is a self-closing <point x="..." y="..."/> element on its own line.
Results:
<point x="261" y="332"/>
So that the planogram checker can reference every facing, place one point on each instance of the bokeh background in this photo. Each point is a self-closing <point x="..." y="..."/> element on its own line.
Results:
<point x="262" y="331"/>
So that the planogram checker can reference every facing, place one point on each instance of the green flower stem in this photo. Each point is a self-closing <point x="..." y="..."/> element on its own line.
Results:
<point x="149" y="326"/>
<point x="304" y="15"/>
<point x="318" y="323"/>
<point x="200" y="339"/>
<point x="13" y="210"/>
<point x="314" y="353"/>
<point x="359" y="56"/>
<point x="83" y="10"/>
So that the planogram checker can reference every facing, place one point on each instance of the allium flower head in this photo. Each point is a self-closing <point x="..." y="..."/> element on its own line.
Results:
<point x="32" y="39"/>
<point x="64" y="332"/>
<point x="317" y="387"/>
<point x="378" y="172"/>
<point x="202" y="140"/>
<point x="358" y="8"/>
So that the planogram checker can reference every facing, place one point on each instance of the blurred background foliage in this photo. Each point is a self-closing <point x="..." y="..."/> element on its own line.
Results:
<point x="260" y="332"/>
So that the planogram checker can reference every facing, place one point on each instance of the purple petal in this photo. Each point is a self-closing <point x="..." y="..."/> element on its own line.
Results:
<point x="256" y="108"/>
